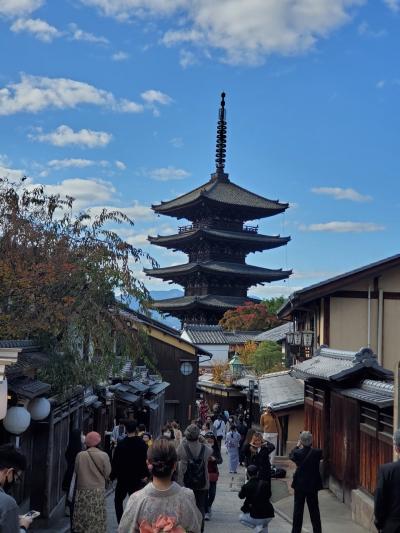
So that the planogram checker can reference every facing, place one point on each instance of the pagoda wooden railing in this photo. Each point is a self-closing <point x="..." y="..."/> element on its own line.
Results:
<point x="191" y="227"/>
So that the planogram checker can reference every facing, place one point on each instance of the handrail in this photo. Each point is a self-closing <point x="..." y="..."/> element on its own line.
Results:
<point x="192" y="227"/>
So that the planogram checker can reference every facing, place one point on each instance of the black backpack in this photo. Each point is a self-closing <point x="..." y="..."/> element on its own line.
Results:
<point x="195" y="475"/>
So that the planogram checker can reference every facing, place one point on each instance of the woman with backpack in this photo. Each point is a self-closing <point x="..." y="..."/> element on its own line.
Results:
<point x="213" y="472"/>
<point x="232" y="442"/>
<point x="193" y="457"/>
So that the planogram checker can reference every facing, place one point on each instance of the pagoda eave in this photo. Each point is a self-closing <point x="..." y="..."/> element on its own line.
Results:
<point x="247" y="240"/>
<point x="214" y="302"/>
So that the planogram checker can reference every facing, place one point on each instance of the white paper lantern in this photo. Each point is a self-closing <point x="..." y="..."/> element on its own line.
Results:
<point x="17" y="420"/>
<point x="39" y="408"/>
<point x="3" y="398"/>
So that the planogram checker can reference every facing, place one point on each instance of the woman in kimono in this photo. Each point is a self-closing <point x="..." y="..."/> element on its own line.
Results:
<point x="232" y="443"/>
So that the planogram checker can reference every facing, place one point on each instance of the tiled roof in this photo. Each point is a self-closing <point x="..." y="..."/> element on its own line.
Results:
<point x="28" y="387"/>
<point x="220" y="267"/>
<point x="378" y="393"/>
<point x="27" y="360"/>
<point x="336" y="365"/>
<point x="17" y="343"/>
<point x="209" y="334"/>
<point x="224" y="192"/>
<point x="281" y="390"/>
<point x="251" y="241"/>
<point x="275" y="334"/>
<point x="210" y="301"/>
<point x="204" y="334"/>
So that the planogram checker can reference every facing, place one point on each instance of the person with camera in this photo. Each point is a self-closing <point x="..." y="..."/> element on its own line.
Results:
<point x="12" y="464"/>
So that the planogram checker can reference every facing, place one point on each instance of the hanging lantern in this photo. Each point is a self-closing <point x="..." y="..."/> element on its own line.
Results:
<point x="3" y="398"/>
<point x="17" y="420"/>
<point x="297" y="336"/>
<point x="39" y="408"/>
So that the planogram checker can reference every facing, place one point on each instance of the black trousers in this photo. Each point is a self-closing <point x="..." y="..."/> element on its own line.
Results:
<point x="219" y="441"/>
<point x="312" y="503"/>
<point x="211" y="495"/>
<point x="121" y="491"/>
<point x="201" y="502"/>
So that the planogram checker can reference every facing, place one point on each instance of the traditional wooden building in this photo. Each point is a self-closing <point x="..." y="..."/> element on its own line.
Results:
<point x="348" y="407"/>
<point x="217" y="241"/>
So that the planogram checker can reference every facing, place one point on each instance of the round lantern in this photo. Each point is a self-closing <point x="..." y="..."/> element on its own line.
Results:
<point x="3" y="398"/>
<point x="17" y="420"/>
<point x="39" y="408"/>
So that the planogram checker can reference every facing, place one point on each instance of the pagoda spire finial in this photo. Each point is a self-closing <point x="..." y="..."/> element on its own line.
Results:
<point x="220" y="152"/>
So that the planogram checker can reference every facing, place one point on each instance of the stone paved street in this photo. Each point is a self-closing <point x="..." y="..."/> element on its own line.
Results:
<point x="226" y="507"/>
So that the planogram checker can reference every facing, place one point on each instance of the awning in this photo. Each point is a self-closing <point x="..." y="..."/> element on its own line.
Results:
<point x="128" y="397"/>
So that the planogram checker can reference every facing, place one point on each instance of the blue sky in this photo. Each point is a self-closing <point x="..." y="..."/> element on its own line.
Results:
<point x="115" y="102"/>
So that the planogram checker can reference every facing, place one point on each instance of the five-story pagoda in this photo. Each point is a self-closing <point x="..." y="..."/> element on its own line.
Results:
<point x="216" y="277"/>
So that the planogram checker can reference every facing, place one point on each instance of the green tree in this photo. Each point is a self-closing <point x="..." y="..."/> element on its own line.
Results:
<point x="60" y="272"/>
<point x="273" y="304"/>
<point x="268" y="357"/>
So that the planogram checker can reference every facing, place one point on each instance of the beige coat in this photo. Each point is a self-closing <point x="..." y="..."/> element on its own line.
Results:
<point x="92" y="469"/>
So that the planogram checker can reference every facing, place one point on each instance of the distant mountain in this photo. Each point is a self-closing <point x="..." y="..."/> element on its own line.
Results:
<point x="163" y="295"/>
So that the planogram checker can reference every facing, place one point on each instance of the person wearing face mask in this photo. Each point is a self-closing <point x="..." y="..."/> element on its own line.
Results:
<point x="12" y="463"/>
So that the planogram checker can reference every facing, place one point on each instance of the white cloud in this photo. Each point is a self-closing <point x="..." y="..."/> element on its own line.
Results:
<point x="36" y="93"/>
<point x="166" y="173"/>
<point x="393" y="5"/>
<point x="156" y="97"/>
<point x="120" y="56"/>
<point x="75" y="163"/>
<point x="381" y="84"/>
<point x="11" y="173"/>
<point x="80" y="35"/>
<point x="85" y="191"/>
<point x="135" y="211"/>
<point x="338" y="193"/>
<point x="39" y="28"/>
<point x="66" y="136"/>
<point x="18" y="8"/>
<point x="245" y="31"/>
<point x="177" y="142"/>
<point x="365" y="30"/>
<point x="271" y="290"/>
<point x="120" y="165"/>
<point x="344" y="227"/>
<point x="187" y="58"/>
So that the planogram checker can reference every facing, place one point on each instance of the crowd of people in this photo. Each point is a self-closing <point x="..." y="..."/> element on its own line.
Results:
<point x="171" y="481"/>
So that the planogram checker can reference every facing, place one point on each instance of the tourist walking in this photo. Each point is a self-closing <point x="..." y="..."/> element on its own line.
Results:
<point x="129" y="466"/>
<point x="177" y="431"/>
<point x="242" y="430"/>
<point x="257" y="452"/>
<point x="117" y="434"/>
<point x="193" y="458"/>
<point x="219" y="429"/>
<point x="213" y="472"/>
<point x="12" y="464"/>
<point x="271" y="427"/>
<point x="232" y="443"/>
<point x="257" y="510"/>
<point x="162" y="503"/>
<point x="75" y="445"/>
<point x="306" y="482"/>
<point x="387" y="494"/>
<point x="92" y="470"/>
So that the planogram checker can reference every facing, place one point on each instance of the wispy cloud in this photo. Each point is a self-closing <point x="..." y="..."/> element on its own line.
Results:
<point x="380" y="84"/>
<point x="120" y="56"/>
<point x="76" y="163"/>
<point x="177" y="142"/>
<point x="393" y="5"/>
<point x="66" y="136"/>
<point x="120" y="165"/>
<point x="39" y="28"/>
<point x="187" y="58"/>
<point x="77" y="34"/>
<point x="85" y="191"/>
<point x="37" y="93"/>
<point x="365" y="30"/>
<point x="339" y="193"/>
<point x="344" y="227"/>
<point x="166" y="173"/>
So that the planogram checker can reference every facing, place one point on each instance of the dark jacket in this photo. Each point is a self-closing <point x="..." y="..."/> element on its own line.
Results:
<point x="129" y="462"/>
<point x="260" y="460"/>
<point x="9" y="514"/>
<point x="257" y="493"/>
<point x="387" y="498"/>
<point x="307" y="478"/>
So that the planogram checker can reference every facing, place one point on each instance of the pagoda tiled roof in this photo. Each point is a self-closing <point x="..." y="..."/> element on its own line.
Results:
<point x="222" y="192"/>
<point x="209" y="301"/>
<point x="251" y="240"/>
<point x="221" y="267"/>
